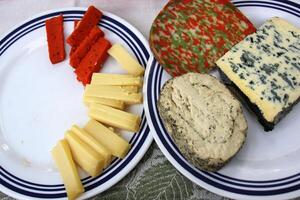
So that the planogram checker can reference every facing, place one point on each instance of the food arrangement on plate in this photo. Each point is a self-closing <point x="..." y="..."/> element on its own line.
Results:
<point x="259" y="70"/>
<point x="259" y="67"/>
<point x="106" y="96"/>
<point x="101" y="132"/>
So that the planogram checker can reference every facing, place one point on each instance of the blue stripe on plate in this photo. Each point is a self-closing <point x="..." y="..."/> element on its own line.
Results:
<point x="130" y="153"/>
<point x="24" y="32"/>
<point x="282" y="5"/>
<point x="130" y="156"/>
<point x="5" y="40"/>
<point x="32" y="28"/>
<point x="135" y="38"/>
<point x="208" y="173"/>
<point x="142" y="57"/>
<point x="262" y="182"/>
<point x="269" y="6"/>
<point x="144" y="136"/>
<point x="193" y="171"/>
<point x="214" y="179"/>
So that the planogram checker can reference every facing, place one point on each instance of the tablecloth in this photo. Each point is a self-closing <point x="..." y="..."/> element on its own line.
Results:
<point x="154" y="177"/>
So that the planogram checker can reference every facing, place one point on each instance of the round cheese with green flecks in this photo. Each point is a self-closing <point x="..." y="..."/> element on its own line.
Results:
<point x="190" y="35"/>
<point x="204" y="119"/>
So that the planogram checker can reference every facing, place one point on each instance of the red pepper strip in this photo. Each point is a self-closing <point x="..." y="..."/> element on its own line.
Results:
<point x="76" y="21"/>
<point x="89" y="20"/>
<point x="93" y="60"/>
<point x="55" y="38"/>
<point x="73" y="49"/>
<point x="85" y="46"/>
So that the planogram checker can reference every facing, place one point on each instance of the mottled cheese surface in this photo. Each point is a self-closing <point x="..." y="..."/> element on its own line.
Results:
<point x="266" y="66"/>
<point x="204" y="119"/>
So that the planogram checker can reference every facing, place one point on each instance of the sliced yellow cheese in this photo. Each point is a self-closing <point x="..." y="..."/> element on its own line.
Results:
<point x="84" y="155"/>
<point x="126" y="61"/>
<point x="116" y="79"/>
<point x="114" y="117"/>
<point x="115" y="88"/>
<point x="92" y="142"/>
<point x="108" y="102"/>
<point x="111" y="128"/>
<point x="115" y="94"/>
<point x="117" y="145"/>
<point x="62" y="156"/>
<point x="131" y="88"/>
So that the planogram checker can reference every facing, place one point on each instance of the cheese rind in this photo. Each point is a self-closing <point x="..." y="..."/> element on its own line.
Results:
<point x="205" y="121"/>
<point x="62" y="156"/>
<point x="108" y="102"/>
<point x="126" y="61"/>
<point x="266" y="67"/>
<point x="96" y="145"/>
<point x="114" y="117"/>
<point x="116" y="144"/>
<point x="84" y="155"/>
<point x="116" y="79"/>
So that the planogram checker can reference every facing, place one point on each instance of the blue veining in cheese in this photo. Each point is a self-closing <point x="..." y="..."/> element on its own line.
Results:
<point x="266" y="66"/>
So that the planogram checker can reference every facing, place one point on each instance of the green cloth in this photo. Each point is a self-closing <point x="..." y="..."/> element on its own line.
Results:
<point x="154" y="178"/>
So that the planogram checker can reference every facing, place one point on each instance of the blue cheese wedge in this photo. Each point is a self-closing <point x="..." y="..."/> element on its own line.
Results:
<point x="204" y="119"/>
<point x="265" y="67"/>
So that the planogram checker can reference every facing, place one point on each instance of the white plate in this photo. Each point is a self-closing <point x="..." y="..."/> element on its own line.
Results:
<point x="268" y="166"/>
<point x="40" y="101"/>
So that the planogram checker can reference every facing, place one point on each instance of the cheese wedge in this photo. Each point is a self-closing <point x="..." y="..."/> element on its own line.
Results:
<point x="96" y="145"/>
<point x="114" y="117"/>
<point x="116" y="79"/>
<point x="62" y="156"/>
<point x="115" y="94"/>
<point x="108" y="102"/>
<point x="117" y="145"/>
<point x="84" y="155"/>
<point x="114" y="88"/>
<point x="126" y="61"/>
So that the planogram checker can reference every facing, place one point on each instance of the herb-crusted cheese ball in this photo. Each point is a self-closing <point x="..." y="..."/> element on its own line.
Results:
<point x="205" y="121"/>
<point x="265" y="69"/>
<point x="189" y="36"/>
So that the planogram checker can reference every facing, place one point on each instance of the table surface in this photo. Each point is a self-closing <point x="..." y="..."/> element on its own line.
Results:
<point x="154" y="177"/>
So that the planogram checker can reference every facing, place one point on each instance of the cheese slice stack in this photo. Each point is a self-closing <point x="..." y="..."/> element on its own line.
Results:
<point x="126" y="61"/>
<point x="96" y="145"/>
<point x="113" y="88"/>
<point x="84" y="155"/>
<point x="62" y="156"/>
<point x="116" y="145"/>
<point x="114" y="117"/>
<point x="114" y="93"/>
<point x="104" y="101"/>
<point x="116" y="79"/>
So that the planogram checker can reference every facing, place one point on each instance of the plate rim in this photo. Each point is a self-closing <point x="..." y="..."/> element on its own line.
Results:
<point x="145" y="144"/>
<point x="152" y="63"/>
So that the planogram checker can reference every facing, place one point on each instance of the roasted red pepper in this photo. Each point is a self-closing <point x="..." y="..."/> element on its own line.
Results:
<point x="93" y="60"/>
<point x="73" y="48"/>
<point x="55" y="38"/>
<point x="85" y="46"/>
<point x="89" y="20"/>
